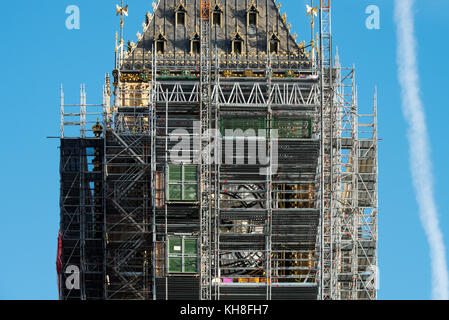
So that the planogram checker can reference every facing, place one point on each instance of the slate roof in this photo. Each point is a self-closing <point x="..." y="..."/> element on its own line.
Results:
<point x="234" y="20"/>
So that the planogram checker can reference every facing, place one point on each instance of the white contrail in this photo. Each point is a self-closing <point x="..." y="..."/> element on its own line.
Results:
<point x="421" y="165"/>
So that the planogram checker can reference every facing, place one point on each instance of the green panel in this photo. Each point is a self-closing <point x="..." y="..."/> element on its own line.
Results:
<point x="190" y="246"/>
<point x="175" y="246"/>
<point x="190" y="192"/>
<point x="175" y="264"/>
<point x="190" y="265"/>
<point x="254" y="124"/>
<point x="243" y="124"/>
<point x="174" y="192"/>
<point x="287" y="128"/>
<point x="190" y="173"/>
<point x="294" y="129"/>
<point x="174" y="173"/>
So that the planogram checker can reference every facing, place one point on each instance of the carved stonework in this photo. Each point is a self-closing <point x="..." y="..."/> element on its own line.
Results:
<point x="130" y="77"/>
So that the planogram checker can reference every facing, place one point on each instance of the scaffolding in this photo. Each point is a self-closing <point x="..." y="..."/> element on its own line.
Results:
<point x="328" y="156"/>
<point x="81" y="198"/>
<point x="205" y="181"/>
<point x="274" y="197"/>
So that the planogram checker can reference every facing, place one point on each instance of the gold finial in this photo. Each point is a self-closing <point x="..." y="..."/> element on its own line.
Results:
<point x="116" y="50"/>
<point x="312" y="12"/>
<point x="116" y="42"/>
<point x="121" y="11"/>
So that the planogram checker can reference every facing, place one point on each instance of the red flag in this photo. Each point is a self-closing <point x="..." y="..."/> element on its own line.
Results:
<point x="58" y="258"/>
<point x="59" y="262"/>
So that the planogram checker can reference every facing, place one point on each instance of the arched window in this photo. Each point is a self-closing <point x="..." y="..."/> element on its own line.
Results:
<point x="159" y="43"/>
<point x="217" y="16"/>
<point x="180" y="14"/>
<point x="252" y="15"/>
<point x="274" y="43"/>
<point x="195" y="45"/>
<point x="237" y="44"/>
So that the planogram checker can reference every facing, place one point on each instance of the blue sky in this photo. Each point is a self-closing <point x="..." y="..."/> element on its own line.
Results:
<point x="39" y="54"/>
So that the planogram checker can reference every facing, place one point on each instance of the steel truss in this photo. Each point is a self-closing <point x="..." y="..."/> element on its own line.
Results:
<point x="230" y="93"/>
